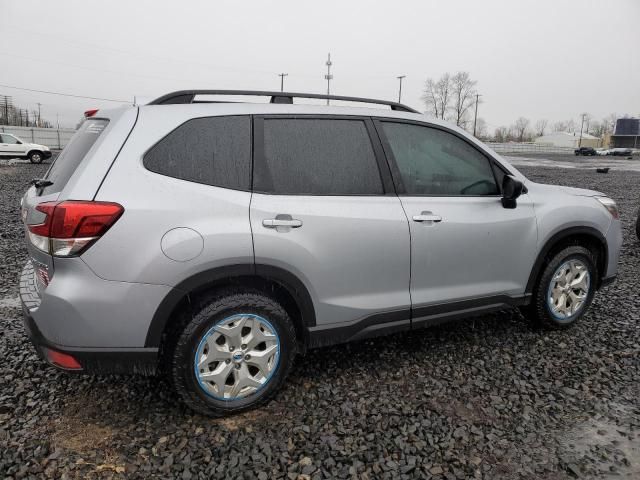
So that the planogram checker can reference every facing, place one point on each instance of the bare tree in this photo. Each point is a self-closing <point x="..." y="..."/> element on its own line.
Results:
<point x="520" y="128"/>
<point x="501" y="134"/>
<point x="541" y="126"/>
<point x="437" y="95"/>
<point x="481" y="128"/>
<point x="560" y="126"/>
<point x="463" y="93"/>
<point x="609" y="123"/>
<point x="587" y="122"/>
<point x="430" y="97"/>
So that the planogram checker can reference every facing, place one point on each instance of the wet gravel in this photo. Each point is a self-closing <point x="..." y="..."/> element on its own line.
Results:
<point x="491" y="398"/>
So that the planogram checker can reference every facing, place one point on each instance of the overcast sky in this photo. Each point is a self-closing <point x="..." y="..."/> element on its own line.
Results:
<point x="550" y="59"/>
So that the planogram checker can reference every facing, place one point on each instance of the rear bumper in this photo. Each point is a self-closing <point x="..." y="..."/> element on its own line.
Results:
<point x="95" y="321"/>
<point x="94" y="360"/>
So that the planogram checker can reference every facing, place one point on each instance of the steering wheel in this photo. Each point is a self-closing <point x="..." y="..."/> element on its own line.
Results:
<point x="488" y="183"/>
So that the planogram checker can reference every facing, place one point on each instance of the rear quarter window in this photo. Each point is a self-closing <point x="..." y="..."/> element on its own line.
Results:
<point x="71" y="156"/>
<point x="213" y="151"/>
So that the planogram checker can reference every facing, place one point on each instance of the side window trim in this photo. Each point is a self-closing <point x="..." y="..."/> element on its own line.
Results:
<point x="395" y="171"/>
<point x="381" y="162"/>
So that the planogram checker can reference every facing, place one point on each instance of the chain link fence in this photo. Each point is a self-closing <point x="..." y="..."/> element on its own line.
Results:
<point x="529" y="148"/>
<point x="54" y="138"/>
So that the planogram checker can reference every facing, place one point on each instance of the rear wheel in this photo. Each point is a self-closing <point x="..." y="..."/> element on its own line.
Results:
<point x="234" y="354"/>
<point x="36" y="157"/>
<point x="565" y="289"/>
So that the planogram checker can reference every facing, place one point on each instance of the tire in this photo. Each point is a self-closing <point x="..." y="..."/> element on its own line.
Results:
<point x="540" y="310"/>
<point x="231" y="312"/>
<point x="36" y="157"/>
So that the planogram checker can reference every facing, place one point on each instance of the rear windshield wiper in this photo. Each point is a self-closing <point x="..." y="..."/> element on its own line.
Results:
<point x="41" y="182"/>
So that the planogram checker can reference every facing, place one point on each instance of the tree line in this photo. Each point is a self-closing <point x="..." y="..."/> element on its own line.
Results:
<point x="453" y="97"/>
<point x="20" y="117"/>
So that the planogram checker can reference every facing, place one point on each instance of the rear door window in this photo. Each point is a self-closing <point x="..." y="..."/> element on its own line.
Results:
<point x="317" y="156"/>
<point x="213" y="151"/>
<point x="69" y="159"/>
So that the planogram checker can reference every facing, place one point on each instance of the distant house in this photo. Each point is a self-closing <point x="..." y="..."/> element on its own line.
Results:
<point x="567" y="139"/>
<point x="626" y="134"/>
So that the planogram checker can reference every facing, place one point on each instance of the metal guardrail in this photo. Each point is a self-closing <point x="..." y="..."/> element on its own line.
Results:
<point x="55" y="138"/>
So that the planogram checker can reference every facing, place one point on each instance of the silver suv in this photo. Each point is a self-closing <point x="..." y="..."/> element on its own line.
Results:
<point x="214" y="241"/>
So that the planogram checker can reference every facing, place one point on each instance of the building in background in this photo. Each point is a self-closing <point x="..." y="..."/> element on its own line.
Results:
<point x="626" y="134"/>
<point x="566" y="139"/>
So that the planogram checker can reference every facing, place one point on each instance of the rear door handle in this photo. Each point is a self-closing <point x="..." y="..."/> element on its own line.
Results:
<point x="427" y="217"/>
<point x="281" y="220"/>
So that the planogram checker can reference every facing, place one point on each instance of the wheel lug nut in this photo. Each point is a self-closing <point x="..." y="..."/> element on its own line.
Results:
<point x="231" y="349"/>
<point x="237" y="366"/>
<point x="227" y="361"/>
<point x="243" y="346"/>
<point x="247" y="357"/>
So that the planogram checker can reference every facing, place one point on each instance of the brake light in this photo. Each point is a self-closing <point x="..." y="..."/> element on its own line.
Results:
<point x="70" y="227"/>
<point x="90" y="113"/>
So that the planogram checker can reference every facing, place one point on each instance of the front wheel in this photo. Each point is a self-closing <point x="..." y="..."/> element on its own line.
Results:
<point x="565" y="288"/>
<point x="36" y="157"/>
<point x="234" y="354"/>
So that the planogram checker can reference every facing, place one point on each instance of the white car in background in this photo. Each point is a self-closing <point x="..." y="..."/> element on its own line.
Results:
<point x="13" y="147"/>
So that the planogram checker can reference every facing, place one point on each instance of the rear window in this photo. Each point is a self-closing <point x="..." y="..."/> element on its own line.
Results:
<point x="69" y="159"/>
<point x="213" y="151"/>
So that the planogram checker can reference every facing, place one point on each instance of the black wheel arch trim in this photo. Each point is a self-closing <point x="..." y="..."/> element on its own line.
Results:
<point x="558" y="237"/>
<point x="182" y="292"/>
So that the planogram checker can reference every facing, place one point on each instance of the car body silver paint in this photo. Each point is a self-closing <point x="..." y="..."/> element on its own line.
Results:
<point x="479" y="249"/>
<point x="352" y="253"/>
<point x="79" y="309"/>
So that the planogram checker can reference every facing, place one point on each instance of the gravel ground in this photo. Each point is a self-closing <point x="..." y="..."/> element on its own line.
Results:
<point x="491" y="398"/>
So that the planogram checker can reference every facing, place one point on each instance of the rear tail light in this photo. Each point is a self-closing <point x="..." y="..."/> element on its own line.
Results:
<point x="90" y="113"/>
<point x="69" y="228"/>
<point x="62" y="360"/>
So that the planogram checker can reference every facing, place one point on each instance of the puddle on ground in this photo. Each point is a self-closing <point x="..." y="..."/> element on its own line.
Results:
<point x="606" y="447"/>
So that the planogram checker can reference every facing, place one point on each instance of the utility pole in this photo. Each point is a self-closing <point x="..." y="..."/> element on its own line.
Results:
<point x="38" y="124"/>
<point x="400" y="77"/>
<point x="282" y="75"/>
<point x="475" y="117"/>
<point x="58" y="120"/>
<point x="328" y="77"/>
<point x="581" y="125"/>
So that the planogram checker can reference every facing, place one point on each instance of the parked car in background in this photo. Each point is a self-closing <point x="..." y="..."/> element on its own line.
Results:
<point x="621" y="152"/>
<point x="215" y="241"/>
<point x="603" y="151"/>
<point x="14" y="147"/>
<point x="585" y="151"/>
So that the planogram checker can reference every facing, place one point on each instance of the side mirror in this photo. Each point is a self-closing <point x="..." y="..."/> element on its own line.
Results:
<point x="511" y="189"/>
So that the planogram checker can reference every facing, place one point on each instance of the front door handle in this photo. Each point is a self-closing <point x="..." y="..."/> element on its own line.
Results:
<point x="284" y="221"/>
<point x="427" y="217"/>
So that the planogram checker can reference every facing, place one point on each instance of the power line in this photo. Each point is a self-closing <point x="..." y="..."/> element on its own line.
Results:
<point x="64" y="94"/>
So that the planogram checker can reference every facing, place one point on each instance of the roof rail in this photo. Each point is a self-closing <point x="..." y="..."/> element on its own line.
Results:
<point x="188" y="96"/>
